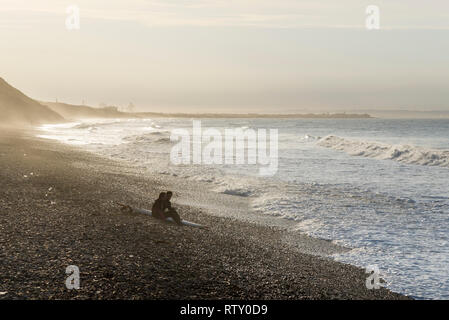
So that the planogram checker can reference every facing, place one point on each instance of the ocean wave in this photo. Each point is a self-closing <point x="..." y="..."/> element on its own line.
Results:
<point x="92" y="124"/>
<point x="153" y="137"/>
<point x="83" y="126"/>
<point x="401" y="153"/>
<point x="238" y="192"/>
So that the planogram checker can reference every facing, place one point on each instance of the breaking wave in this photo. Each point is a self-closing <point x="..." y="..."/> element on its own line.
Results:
<point x="401" y="153"/>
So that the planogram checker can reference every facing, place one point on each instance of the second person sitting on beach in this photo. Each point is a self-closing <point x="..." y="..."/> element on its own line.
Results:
<point x="168" y="210"/>
<point x="163" y="203"/>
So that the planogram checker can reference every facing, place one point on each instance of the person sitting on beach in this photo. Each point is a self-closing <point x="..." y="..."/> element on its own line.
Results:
<point x="168" y="210"/>
<point x="160" y="205"/>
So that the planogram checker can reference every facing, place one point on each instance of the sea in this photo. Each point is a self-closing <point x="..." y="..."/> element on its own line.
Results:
<point x="377" y="186"/>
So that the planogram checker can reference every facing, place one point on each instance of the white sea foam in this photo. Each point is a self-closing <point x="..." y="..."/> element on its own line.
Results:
<point x="401" y="153"/>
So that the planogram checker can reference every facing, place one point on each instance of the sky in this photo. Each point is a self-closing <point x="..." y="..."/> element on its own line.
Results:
<point x="230" y="55"/>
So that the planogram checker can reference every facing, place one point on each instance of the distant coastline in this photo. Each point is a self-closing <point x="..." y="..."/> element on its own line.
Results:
<point x="261" y="115"/>
<point x="69" y="111"/>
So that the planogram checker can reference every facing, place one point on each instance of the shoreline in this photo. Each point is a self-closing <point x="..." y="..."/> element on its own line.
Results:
<point x="131" y="256"/>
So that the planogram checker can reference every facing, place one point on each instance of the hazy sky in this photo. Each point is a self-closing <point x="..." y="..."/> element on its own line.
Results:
<point x="230" y="55"/>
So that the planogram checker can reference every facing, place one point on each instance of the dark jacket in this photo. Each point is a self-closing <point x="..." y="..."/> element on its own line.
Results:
<point x="158" y="209"/>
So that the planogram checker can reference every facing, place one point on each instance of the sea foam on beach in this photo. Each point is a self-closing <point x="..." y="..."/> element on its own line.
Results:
<point x="386" y="195"/>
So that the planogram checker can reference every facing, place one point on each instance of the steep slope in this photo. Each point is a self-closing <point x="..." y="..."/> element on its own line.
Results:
<point x="18" y="109"/>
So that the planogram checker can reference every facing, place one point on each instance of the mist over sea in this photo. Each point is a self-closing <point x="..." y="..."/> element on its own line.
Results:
<point x="375" y="185"/>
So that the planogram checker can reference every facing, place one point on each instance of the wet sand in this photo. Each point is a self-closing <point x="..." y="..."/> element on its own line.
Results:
<point x="57" y="209"/>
